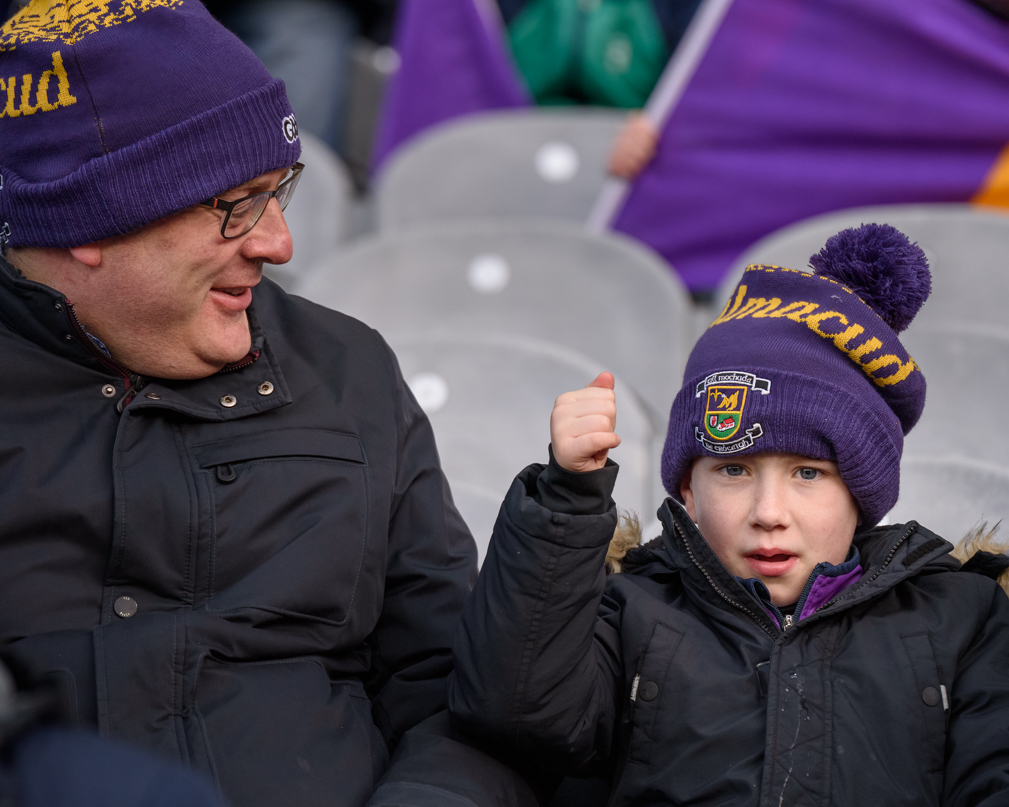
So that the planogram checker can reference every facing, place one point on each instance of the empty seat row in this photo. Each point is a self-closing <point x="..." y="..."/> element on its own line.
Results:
<point x="605" y="297"/>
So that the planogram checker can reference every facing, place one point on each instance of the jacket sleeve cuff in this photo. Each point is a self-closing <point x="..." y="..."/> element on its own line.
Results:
<point x="572" y="493"/>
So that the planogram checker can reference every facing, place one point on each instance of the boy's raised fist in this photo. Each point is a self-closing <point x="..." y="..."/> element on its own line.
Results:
<point x="582" y="424"/>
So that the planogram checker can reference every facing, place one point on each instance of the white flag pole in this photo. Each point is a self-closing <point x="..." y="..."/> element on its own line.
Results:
<point x="491" y="13"/>
<point x="667" y="93"/>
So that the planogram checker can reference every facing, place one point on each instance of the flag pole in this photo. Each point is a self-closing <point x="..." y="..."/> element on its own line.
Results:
<point x="667" y="93"/>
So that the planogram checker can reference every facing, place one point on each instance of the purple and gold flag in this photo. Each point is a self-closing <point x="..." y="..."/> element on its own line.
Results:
<point x="453" y="61"/>
<point x="800" y="107"/>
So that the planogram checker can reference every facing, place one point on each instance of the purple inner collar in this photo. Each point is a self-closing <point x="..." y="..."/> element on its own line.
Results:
<point x="824" y="583"/>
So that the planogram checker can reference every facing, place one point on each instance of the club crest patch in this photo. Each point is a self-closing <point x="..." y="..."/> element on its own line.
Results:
<point x="726" y="397"/>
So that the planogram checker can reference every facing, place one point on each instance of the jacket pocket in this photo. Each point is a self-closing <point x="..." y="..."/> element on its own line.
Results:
<point x="284" y="733"/>
<point x="289" y="521"/>
<point x="930" y="699"/>
<point x="650" y="694"/>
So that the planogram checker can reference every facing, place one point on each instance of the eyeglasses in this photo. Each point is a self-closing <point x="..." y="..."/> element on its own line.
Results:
<point x="241" y="215"/>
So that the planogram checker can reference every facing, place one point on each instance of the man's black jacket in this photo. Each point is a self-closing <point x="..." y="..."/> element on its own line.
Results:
<point x="673" y="676"/>
<point x="259" y="572"/>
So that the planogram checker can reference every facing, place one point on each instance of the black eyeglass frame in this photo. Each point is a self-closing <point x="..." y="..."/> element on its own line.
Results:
<point x="227" y="207"/>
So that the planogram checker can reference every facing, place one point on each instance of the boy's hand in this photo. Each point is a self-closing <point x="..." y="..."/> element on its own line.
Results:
<point x="581" y="426"/>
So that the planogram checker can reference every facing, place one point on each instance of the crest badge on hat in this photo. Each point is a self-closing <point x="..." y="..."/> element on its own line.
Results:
<point x="726" y="394"/>
<point x="725" y="411"/>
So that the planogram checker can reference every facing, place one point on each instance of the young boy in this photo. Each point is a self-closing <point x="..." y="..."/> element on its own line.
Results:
<point x="772" y="646"/>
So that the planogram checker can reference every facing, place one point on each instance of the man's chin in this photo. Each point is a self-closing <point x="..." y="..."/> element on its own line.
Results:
<point x="205" y="363"/>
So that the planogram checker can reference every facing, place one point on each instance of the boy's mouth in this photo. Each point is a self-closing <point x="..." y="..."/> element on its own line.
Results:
<point x="771" y="562"/>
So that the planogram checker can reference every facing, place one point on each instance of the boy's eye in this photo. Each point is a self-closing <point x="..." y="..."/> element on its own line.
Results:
<point x="808" y="474"/>
<point x="733" y="470"/>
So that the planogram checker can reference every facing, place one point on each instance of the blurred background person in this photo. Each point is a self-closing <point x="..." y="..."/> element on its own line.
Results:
<point x="594" y="52"/>
<point x="309" y="45"/>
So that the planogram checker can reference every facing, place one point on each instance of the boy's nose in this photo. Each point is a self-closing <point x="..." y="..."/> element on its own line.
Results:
<point x="770" y="506"/>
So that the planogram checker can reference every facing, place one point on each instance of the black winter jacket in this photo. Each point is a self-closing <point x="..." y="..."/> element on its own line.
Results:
<point x="267" y="590"/>
<point x="672" y="676"/>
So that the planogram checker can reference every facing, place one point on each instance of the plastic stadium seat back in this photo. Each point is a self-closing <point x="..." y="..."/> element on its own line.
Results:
<point x="951" y="495"/>
<point x="602" y="296"/>
<point x="527" y="163"/>
<point x="966" y="368"/>
<point x="489" y="401"/>
<point x="319" y="214"/>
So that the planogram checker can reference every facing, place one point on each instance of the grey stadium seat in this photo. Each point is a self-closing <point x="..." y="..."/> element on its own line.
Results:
<point x="489" y="400"/>
<point x="603" y="296"/>
<point x="950" y="496"/>
<point x="966" y="248"/>
<point x="967" y="370"/>
<point x="529" y="163"/>
<point x="319" y="214"/>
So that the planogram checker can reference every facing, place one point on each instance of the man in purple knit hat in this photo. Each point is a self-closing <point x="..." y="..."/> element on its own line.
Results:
<point x="224" y="531"/>
<point x="773" y="646"/>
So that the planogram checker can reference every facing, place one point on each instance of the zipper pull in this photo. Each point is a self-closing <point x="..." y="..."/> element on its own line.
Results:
<point x="789" y="621"/>
<point x="134" y="384"/>
<point x="634" y="687"/>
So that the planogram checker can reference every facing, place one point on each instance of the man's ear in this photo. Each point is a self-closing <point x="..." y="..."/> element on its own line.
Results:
<point x="89" y="254"/>
<point x="687" y="493"/>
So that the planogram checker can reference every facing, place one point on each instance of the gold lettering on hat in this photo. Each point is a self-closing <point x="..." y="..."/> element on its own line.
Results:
<point x="904" y="369"/>
<point x="731" y="307"/>
<point x="797" y="312"/>
<point x="26" y="94"/>
<point x="766" y="310"/>
<point x="9" y="86"/>
<point x="42" y="102"/>
<point x="63" y="98"/>
<point x="757" y="307"/>
<point x="68" y="23"/>
<point x="801" y="311"/>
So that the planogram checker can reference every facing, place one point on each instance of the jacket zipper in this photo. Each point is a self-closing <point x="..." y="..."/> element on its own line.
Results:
<point x="878" y="572"/>
<point x="132" y="384"/>
<point x="717" y="590"/>
<point x="788" y="620"/>
<point x="252" y="358"/>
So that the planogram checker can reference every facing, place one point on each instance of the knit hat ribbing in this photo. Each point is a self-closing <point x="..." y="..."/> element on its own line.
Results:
<point x="801" y="364"/>
<point x="115" y="114"/>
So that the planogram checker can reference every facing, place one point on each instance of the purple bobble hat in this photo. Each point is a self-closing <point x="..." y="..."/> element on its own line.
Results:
<point x="811" y="364"/>
<point x="114" y="114"/>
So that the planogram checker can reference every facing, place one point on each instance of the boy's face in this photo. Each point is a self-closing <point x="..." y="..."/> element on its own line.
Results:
<point x="771" y="516"/>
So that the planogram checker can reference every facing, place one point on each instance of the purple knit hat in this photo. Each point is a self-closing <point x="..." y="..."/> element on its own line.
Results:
<point x="115" y="113"/>
<point x="810" y="364"/>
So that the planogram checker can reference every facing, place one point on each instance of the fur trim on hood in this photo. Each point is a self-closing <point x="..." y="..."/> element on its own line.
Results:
<point x="626" y="536"/>
<point x="979" y="552"/>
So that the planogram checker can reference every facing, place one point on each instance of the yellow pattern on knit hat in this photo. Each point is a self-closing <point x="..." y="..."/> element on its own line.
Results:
<point x="68" y="21"/>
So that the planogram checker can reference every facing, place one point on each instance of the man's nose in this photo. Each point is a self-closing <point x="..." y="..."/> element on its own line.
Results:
<point x="269" y="240"/>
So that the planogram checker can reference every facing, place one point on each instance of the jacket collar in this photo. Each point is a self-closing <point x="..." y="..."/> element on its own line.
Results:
<point x="45" y="317"/>
<point x="888" y="555"/>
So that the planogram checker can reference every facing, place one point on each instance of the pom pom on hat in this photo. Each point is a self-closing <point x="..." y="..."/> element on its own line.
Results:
<point x="881" y="265"/>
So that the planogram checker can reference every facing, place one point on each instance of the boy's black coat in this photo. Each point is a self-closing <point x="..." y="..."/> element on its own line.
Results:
<point x="674" y="676"/>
